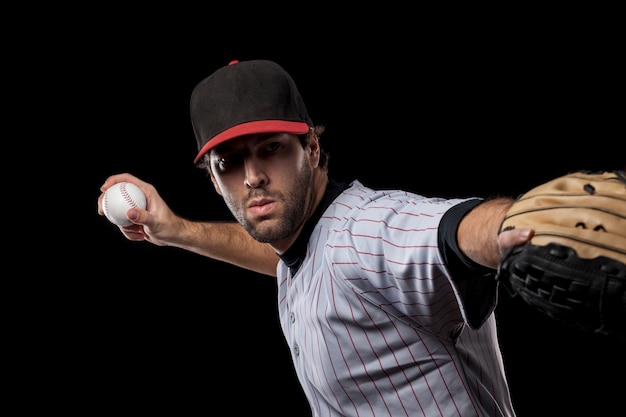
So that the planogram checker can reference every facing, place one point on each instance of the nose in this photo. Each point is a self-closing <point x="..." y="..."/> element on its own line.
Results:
<point x="255" y="176"/>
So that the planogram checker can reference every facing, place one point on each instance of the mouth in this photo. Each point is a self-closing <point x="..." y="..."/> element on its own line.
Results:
<point x="260" y="208"/>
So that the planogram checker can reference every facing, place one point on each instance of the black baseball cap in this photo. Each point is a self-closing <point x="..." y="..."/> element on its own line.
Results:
<point x="243" y="98"/>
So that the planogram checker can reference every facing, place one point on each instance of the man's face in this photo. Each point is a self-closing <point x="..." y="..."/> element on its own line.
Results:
<point x="266" y="182"/>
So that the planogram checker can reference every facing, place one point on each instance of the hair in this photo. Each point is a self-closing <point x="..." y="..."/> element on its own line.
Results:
<point x="204" y="163"/>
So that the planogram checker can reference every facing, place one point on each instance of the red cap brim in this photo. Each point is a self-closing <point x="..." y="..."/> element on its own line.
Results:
<point x="251" y="128"/>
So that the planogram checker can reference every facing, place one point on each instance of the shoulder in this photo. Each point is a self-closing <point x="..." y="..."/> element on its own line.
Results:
<point x="361" y="202"/>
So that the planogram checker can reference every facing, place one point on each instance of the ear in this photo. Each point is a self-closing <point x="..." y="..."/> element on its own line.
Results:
<point x="314" y="145"/>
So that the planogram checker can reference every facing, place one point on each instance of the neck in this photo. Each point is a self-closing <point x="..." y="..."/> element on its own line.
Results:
<point x="320" y="182"/>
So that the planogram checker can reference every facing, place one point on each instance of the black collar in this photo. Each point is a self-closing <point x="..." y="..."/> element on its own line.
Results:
<point x="294" y="256"/>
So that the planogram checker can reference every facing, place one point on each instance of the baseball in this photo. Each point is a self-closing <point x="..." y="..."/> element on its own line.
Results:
<point x="118" y="199"/>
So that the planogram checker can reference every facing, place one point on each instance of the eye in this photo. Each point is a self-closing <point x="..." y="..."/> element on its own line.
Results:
<point x="228" y="162"/>
<point x="222" y="163"/>
<point x="272" y="147"/>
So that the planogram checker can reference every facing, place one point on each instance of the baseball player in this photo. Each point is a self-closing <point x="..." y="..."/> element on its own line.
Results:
<point x="386" y="298"/>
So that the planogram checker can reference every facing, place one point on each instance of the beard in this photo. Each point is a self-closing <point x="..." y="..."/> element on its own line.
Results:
<point x="297" y="201"/>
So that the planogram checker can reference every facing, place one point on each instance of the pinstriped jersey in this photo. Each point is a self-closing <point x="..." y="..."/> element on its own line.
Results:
<point x="374" y="322"/>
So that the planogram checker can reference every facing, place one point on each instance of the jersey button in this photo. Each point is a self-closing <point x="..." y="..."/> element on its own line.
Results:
<point x="292" y="317"/>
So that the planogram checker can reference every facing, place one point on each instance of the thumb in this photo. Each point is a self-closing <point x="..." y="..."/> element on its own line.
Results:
<point x="514" y="237"/>
<point x="137" y="215"/>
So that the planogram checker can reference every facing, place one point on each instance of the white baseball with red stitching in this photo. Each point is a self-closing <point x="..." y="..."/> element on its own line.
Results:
<point x="119" y="199"/>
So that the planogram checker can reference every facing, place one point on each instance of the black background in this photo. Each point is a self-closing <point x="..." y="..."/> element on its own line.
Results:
<point x="117" y="326"/>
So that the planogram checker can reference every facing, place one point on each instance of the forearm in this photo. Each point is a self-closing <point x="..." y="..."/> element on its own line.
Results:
<point x="224" y="241"/>
<point x="477" y="234"/>
<point x="228" y="242"/>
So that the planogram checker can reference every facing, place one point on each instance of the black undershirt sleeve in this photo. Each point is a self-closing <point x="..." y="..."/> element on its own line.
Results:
<point x="475" y="283"/>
